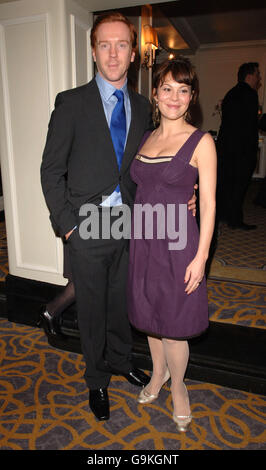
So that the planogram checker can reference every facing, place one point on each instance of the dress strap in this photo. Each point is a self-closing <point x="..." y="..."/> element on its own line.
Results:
<point x="187" y="150"/>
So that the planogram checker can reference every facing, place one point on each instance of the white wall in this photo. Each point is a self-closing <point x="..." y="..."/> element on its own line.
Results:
<point x="217" y="67"/>
<point x="44" y="49"/>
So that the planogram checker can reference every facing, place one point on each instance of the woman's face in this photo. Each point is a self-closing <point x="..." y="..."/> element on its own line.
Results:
<point x="173" y="98"/>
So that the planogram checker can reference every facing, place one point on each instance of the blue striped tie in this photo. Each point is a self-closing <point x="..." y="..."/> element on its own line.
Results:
<point x="118" y="128"/>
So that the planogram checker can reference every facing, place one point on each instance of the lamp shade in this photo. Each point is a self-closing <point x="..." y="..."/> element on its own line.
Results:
<point x="150" y="35"/>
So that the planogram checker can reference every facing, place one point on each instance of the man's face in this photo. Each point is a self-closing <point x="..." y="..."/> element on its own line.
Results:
<point x="255" y="79"/>
<point x="113" y="52"/>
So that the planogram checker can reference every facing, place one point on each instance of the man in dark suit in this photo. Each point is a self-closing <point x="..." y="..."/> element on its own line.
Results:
<point x="237" y="146"/>
<point x="84" y="143"/>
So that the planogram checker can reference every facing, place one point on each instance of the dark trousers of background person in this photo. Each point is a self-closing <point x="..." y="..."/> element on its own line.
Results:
<point x="233" y="179"/>
<point x="99" y="268"/>
<point x="260" y="198"/>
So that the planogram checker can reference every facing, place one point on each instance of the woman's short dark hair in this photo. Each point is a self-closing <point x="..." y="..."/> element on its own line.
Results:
<point x="182" y="71"/>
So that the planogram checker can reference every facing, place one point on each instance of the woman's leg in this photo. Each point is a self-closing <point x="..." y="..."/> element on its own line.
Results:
<point x="159" y="365"/>
<point x="63" y="300"/>
<point x="177" y="354"/>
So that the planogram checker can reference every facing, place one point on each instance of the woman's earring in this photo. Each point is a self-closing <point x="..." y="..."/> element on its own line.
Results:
<point x="156" y="116"/>
<point x="188" y="116"/>
<point x="157" y="112"/>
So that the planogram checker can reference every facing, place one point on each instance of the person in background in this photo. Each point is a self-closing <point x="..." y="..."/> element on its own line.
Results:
<point x="237" y="146"/>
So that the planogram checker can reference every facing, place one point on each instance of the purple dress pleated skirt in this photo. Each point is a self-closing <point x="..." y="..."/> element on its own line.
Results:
<point x="164" y="240"/>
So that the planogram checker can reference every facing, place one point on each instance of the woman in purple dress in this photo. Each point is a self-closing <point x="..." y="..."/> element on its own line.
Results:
<point x="167" y="294"/>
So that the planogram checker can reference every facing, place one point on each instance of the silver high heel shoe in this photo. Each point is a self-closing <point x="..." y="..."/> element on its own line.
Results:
<point x="182" y="422"/>
<point x="146" y="397"/>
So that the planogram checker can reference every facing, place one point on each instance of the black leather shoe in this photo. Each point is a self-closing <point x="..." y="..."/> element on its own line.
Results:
<point x="136" y="377"/>
<point x="247" y="227"/>
<point x="48" y="323"/>
<point x="99" y="403"/>
<point x="243" y="226"/>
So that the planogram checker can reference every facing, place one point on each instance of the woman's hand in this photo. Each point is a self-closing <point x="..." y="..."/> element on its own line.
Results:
<point x="68" y="234"/>
<point x="192" y="202"/>
<point x="194" y="274"/>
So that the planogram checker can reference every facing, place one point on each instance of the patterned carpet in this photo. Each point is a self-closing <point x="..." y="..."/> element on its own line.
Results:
<point x="44" y="406"/>
<point x="241" y="255"/>
<point x="237" y="303"/>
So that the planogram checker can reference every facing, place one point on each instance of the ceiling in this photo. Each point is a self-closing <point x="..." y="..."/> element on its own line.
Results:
<point x="208" y="22"/>
<point x="186" y="25"/>
<point x="201" y="22"/>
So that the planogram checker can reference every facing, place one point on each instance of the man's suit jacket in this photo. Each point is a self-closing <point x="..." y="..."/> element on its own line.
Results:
<point x="238" y="135"/>
<point x="79" y="162"/>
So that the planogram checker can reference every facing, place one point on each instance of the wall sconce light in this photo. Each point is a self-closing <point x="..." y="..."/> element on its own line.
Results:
<point x="151" y="44"/>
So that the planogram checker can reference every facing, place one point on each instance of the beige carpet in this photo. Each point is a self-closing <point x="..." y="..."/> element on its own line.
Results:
<point x="241" y="255"/>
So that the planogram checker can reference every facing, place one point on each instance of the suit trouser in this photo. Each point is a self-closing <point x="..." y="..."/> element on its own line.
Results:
<point x="100" y="277"/>
<point x="233" y="181"/>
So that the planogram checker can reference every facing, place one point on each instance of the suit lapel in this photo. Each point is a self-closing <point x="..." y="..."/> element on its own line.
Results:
<point x="133" y="133"/>
<point x="98" y="120"/>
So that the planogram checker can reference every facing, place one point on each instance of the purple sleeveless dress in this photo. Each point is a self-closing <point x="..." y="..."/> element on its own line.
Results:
<point x="164" y="240"/>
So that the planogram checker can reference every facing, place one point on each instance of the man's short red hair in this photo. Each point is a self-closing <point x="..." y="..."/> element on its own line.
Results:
<point x="111" y="18"/>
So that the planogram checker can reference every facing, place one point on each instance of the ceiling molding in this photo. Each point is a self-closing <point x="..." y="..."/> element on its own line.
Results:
<point x="218" y="45"/>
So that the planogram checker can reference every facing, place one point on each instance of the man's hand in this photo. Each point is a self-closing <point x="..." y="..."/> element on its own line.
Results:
<point x="67" y="235"/>
<point x="192" y="202"/>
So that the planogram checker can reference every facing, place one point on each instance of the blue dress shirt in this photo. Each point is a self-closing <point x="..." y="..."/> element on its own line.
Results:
<point x="109" y="101"/>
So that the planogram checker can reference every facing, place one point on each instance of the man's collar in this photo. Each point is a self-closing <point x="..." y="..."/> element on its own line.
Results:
<point x="107" y="89"/>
